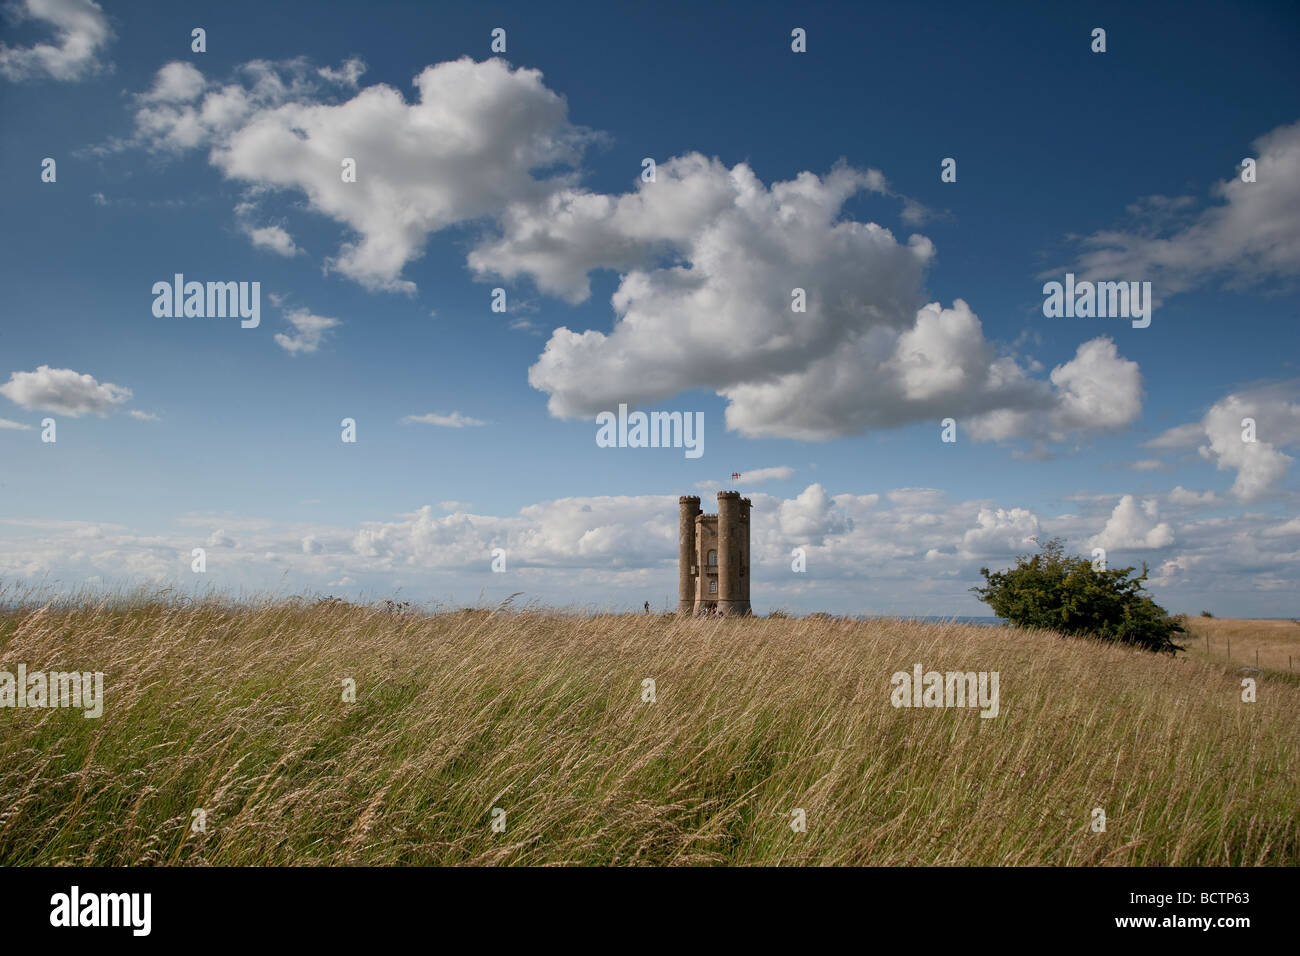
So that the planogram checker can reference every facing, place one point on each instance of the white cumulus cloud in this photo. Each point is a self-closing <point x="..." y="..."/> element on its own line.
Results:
<point x="1133" y="526"/>
<point x="309" y="331"/>
<point x="81" y="31"/>
<point x="63" y="391"/>
<point x="177" y="82"/>
<point x="709" y="256"/>
<point x="465" y="149"/>
<point x="274" y="238"/>
<point x="1220" y="436"/>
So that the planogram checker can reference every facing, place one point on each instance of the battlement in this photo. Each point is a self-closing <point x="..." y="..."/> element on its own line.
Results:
<point x="713" y="558"/>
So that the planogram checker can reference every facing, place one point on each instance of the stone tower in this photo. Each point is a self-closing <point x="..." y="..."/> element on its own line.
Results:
<point x="713" y="556"/>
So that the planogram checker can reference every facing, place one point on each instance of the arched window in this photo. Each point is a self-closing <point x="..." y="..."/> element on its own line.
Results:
<point x="713" y="559"/>
<point x="713" y="587"/>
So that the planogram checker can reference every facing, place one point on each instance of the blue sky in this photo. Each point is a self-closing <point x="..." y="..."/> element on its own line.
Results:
<point x="522" y="171"/>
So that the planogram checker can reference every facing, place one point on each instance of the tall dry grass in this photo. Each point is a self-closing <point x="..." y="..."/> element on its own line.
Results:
<point x="238" y="711"/>
<point x="1274" y="645"/>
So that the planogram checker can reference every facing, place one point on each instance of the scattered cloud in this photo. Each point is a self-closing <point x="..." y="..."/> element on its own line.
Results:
<point x="1133" y="527"/>
<point x="273" y="238"/>
<point x="454" y="420"/>
<point x="1096" y="391"/>
<point x="709" y="259"/>
<point x="1221" y="436"/>
<point x="1250" y="233"/>
<point x="219" y="539"/>
<point x="346" y="75"/>
<point x="758" y="475"/>
<point x="81" y="32"/>
<point x="309" y="331"/>
<point x="753" y="476"/>
<point x="1260" y="464"/>
<point x="709" y="256"/>
<point x="1001" y="531"/>
<point x="1288" y="529"/>
<point x="863" y="551"/>
<point x="1181" y="436"/>
<point x="463" y="151"/>
<point x="1149" y="464"/>
<point x="177" y="82"/>
<point x="63" y="391"/>
<point x="1191" y="499"/>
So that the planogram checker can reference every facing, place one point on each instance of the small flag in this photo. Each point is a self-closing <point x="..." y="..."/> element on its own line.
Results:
<point x="735" y="475"/>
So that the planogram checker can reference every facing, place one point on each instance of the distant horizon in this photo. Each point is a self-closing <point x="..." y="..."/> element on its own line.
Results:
<point x="522" y="604"/>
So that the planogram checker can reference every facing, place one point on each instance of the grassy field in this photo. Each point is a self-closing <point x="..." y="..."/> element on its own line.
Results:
<point x="1274" y="644"/>
<point x="238" y="712"/>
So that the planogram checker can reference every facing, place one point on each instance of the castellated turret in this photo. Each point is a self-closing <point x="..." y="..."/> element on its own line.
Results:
<point x="713" y="551"/>
<point x="687" y="569"/>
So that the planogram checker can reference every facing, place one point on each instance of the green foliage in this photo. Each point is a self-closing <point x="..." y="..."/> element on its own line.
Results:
<point x="1065" y="593"/>
<point x="1206" y="614"/>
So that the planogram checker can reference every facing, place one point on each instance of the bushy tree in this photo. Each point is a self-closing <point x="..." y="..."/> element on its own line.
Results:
<point x="1066" y="593"/>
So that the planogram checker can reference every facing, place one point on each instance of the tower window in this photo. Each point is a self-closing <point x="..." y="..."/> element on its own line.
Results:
<point x="713" y="587"/>
<point x="713" y="559"/>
